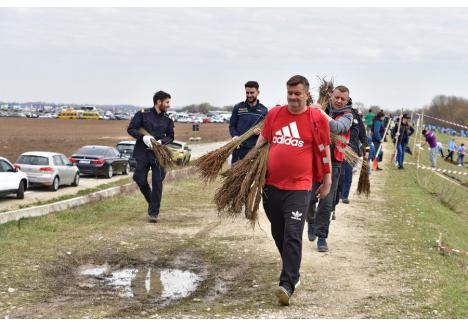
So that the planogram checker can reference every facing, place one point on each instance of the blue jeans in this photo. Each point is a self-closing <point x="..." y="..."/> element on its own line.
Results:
<point x="347" y="175"/>
<point x="318" y="216"/>
<point x="401" y="153"/>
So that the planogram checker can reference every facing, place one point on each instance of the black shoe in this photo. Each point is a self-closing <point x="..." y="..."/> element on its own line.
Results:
<point x="379" y="169"/>
<point x="400" y="167"/>
<point x="283" y="295"/>
<point x="153" y="218"/>
<point x="322" y="245"/>
<point x="345" y="201"/>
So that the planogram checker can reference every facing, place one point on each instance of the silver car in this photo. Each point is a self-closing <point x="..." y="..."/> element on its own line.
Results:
<point x="48" y="169"/>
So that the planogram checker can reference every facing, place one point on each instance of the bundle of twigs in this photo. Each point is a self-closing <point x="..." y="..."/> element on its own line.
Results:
<point x="210" y="164"/>
<point x="162" y="153"/>
<point x="363" y="186"/>
<point x="325" y="91"/>
<point x="242" y="185"/>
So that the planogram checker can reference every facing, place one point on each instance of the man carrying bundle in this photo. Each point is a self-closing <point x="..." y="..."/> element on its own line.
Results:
<point x="160" y="127"/>
<point x="340" y="120"/>
<point x="358" y="143"/>
<point x="299" y="154"/>
<point x="244" y="116"/>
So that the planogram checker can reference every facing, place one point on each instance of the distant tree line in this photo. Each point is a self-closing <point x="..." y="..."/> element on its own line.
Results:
<point x="450" y="108"/>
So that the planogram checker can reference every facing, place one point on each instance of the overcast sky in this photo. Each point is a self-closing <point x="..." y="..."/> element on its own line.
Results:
<point x="392" y="57"/>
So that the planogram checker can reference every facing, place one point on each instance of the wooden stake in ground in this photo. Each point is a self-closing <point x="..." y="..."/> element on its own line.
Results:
<point x="162" y="153"/>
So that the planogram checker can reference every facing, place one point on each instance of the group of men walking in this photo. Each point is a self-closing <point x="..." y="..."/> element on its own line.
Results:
<point x="307" y="174"/>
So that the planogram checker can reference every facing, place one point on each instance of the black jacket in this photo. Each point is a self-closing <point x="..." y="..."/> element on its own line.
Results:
<point x="160" y="126"/>
<point x="358" y="137"/>
<point x="405" y="132"/>
<point x="245" y="117"/>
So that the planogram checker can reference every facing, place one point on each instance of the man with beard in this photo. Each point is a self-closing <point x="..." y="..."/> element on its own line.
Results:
<point x="244" y="116"/>
<point x="299" y="154"/>
<point x="340" y="118"/>
<point x="160" y="127"/>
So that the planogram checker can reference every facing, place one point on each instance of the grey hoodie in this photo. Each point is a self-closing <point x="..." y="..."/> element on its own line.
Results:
<point x="343" y="123"/>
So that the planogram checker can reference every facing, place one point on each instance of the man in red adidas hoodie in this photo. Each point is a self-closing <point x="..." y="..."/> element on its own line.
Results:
<point x="299" y="153"/>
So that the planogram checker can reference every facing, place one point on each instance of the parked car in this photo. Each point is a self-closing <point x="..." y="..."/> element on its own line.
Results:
<point x="181" y="153"/>
<point x="126" y="148"/>
<point x="12" y="180"/>
<point x="100" y="160"/>
<point x="48" y="169"/>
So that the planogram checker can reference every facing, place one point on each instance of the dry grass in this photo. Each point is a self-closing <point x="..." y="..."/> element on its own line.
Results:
<point x="242" y="185"/>
<point x="363" y="186"/>
<point x="210" y="164"/>
<point x="162" y="153"/>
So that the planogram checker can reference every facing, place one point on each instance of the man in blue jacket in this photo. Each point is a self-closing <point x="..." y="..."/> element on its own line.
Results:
<point x="378" y="130"/>
<point x="244" y="116"/>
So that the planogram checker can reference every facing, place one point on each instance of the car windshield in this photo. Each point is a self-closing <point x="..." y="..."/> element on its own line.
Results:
<point x="175" y="145"/>
<point x="125" y="147"/>
<point x="92" y="151"/>
<point x="33" y="160"/>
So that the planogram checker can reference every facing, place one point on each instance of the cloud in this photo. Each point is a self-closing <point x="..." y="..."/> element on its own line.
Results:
<point x="177" y="46"/>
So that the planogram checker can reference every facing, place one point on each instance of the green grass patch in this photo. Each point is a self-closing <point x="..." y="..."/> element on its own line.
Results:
<point x="414" y="218"/>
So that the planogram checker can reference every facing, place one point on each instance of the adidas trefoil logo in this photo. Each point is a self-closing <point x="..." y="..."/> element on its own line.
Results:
<point x="296" y="215"/>
<point x="288" y="135"/>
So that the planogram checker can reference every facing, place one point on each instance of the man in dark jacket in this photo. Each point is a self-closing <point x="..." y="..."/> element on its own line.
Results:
<point x="402" y="140"/>
<point x="339" y="116"/>
<point x="244" y="116"/>
<point x="378" y="130"/>
<point x="161" y="128"/>
<point x="358" y="143"/>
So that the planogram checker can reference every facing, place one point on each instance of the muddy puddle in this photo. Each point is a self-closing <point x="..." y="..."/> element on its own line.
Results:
<point x="143" y="282"/>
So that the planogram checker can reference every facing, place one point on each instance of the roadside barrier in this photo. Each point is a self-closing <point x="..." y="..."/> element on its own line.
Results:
<point x="446" y="249"/>
<point x="42" y="210"/>
<point x="446" y="121"/>
<point x="423" y="167"/>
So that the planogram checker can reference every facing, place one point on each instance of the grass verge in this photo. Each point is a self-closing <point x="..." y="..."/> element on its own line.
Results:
<point x="412" y="219"/>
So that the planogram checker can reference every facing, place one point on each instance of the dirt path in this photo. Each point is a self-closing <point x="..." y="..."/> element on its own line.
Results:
<point x="240" y="266"/>
<point x="343" y="282"/>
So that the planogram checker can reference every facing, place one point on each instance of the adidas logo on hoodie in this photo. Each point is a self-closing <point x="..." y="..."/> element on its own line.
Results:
<point x="288" y="135"/>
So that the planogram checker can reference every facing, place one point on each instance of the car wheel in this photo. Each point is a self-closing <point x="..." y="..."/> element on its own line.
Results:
<point x="76" y="181"/>
<point x="126" y="170"/>
<point x="110" y="172"/>
<point x="55" y="184"/>
<point x="180" y="162"/>
<point x="20" y="192"/>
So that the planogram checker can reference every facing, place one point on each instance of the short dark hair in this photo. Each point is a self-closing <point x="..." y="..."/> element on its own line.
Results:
<point x="380" y="114"/>
<point x="252" y="84"/>
<point x="298" y="79"/>
<point x="424" y="131"/>
<point x="160" y="95"/>
<point x="342" y="89"/>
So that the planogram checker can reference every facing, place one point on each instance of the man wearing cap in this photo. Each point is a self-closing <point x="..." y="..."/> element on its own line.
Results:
<point x="402" y="138"/>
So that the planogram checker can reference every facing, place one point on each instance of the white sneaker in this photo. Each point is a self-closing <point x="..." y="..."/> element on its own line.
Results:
<point x="297" y="284"/>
